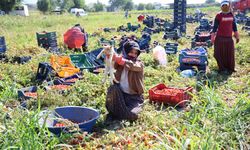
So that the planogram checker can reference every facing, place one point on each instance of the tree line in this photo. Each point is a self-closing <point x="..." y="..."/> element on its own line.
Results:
<point x="66" y="5"/>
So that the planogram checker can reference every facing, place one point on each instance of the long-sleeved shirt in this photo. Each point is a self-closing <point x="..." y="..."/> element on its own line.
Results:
<point x="224" y="24"/>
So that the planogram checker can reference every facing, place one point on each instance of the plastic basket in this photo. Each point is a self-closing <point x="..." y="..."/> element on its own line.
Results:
<point x="85" y="117"/>
<point x="177" y="97"/>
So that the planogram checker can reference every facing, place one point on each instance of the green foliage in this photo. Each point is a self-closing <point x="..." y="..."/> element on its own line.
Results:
<point x="216" y="118"/>
<point x="7" y="5"/>
<point x="67" y="4"/>
<point x="79" y="3"/>
<point x="141" y="6"/>
<point x="149" y="6"/>
<point x="128" y="5"/>
<point x="118" y="3"/>
<point x="44" y="5"/>
<point x="98" y="6"/>
<point x="210" y="1"/>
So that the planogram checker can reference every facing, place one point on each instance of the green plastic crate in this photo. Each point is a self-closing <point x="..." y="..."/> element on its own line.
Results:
<point x="81" y="61"/>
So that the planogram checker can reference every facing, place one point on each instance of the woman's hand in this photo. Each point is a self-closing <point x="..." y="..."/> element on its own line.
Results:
<point x="237" y="36"/>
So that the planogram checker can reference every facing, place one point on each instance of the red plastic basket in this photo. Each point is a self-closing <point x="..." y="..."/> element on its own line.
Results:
<point x="172" y="96"/>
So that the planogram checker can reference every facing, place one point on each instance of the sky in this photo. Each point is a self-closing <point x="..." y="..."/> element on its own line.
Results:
<point x="136" y="1"/>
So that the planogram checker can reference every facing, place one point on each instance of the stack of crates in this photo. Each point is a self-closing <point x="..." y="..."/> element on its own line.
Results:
<point x="190" y="58"/>
<point x="47" y="40"/>
<point x="204" y="25"/>
<point x="171" y="48"/>
<point x="2" y="45"/>
<point x="201" y="39"/>
<point x="144" y="42"/>
<point x="180" y="13"/>
<point x="149" y="21"/>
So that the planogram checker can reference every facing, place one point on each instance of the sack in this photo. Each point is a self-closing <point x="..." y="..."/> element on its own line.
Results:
<point x="159" y="54"/>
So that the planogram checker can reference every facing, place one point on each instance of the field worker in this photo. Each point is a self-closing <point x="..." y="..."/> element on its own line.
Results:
<point x="221" y="37"/>
<point x="124" y="99"/>
<point x="85" y="34"/>
<point x="126" y="14"/>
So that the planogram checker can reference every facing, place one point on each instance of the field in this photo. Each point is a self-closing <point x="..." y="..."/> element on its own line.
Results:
<point x="218" y="116"/>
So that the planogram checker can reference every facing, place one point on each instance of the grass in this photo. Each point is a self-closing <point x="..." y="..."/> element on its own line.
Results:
<point x="218" y="116"/>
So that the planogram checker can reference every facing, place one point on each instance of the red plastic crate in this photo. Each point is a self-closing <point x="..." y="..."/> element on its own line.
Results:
<point x="161" y="93"/>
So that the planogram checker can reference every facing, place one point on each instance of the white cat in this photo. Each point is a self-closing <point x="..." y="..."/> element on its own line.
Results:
<point x="108" y="51"/>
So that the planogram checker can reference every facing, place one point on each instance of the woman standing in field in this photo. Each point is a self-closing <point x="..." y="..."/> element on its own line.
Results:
<point x="124" y="100"/>
<point x="221" y="37"/>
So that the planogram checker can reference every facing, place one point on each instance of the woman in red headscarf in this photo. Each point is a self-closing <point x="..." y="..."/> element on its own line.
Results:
<point x="221" y="37"/>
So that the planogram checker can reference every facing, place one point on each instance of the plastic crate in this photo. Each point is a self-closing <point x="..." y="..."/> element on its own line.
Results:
<point x="196" y="56"/>
<point x="81" y="61"/>
<point x="64" y="86"/>
<point x="2" y="40"/>
<point x="27" y="93"/>
<point x="72" y="79"/>
<point x="201" y="44"/>
<point x="63" y="66"/>
<point x="3" y="48"/>
<point x="171" y="48"/>
<point x="177" y="97"/>
<point x="46" y="39"/>
<point x="184" y="66"/>
<point x="21" y="93"/>
<point x="21" y="60"/>
<point x="44" y="72"/>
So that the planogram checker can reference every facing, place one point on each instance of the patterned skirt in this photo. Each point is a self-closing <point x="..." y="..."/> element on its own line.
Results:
<point x="224" y="53"/>
<point x="121" y="105"/>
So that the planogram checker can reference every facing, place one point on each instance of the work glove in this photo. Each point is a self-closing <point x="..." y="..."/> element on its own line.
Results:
<point x="119" y="59"/>
<point x="237" y="36"/>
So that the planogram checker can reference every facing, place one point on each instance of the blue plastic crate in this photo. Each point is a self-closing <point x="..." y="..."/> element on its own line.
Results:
<point x="21" y="92"/>
<point x="171" y="48"/>
<point x="57" y="82"/>
<point x="2" y="40"/>
<point x="184" y="66"/>
<point x="3" y="48"/>
<point x="196" y="56"/>
<point x="24" y="97"/>
<point x="75" y="76"/>
<point x="44" y="72"/>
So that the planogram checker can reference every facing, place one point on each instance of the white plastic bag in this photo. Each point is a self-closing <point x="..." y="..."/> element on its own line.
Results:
<point x="160" y="55"/>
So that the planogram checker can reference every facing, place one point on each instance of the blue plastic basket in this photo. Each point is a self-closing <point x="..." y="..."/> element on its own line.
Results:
<point x="86" y="117"/>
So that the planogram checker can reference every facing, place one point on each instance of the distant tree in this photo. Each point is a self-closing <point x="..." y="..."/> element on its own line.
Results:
<point x="79" y="3"/>
<point x="98" y="6"/>
<point x="141" y="6"/>
<point x="44" y="5"/>
<point x="8" y="5"/>
<point x="66" y="4"/>
<point x="128" y="5"/>
<point x="210" y="1"/>
<point x="149" y="6"/>
<point x="117" y="3"/>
